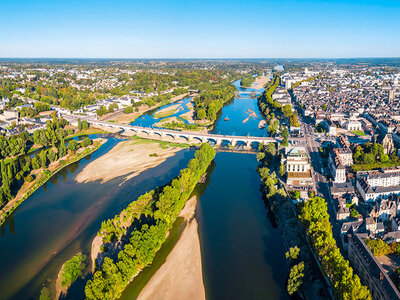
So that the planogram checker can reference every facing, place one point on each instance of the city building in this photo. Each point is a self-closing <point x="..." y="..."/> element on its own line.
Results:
<point x="297" y="166"/>
<point x="370" y="270"/>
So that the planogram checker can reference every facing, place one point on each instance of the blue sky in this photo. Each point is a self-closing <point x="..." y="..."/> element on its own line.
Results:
<point x="199" y="29"/>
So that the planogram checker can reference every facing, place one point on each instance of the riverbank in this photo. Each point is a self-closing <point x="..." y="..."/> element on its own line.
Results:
<point x="181" y="276"/>
<point x="189" y="116"/>
<point x="43" y="175"/>
<point x="128" y="158"/>
<point x="260" y="82"/>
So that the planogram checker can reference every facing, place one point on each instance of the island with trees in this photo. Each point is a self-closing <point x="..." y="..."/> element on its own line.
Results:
<point x="131" y="239"/>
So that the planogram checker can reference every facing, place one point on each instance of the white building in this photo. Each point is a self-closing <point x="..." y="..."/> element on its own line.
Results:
<point x="297" y="167"/>
<point x="373" y="185"/>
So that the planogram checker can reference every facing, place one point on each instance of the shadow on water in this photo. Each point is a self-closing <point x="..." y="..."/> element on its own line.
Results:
<point x="243" y="254"/>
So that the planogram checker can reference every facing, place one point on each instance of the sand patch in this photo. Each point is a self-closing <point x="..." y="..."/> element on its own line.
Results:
<point x="188" y="116"/>
<point x="128" y="158"/>
<point x="181" y="276"/>
<point x="165" y="112"/>
<point x="260" y="82"/>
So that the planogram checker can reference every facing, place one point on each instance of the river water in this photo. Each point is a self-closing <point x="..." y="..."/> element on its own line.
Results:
<point x="242" y="251"/>
<point x="62" y="218"/>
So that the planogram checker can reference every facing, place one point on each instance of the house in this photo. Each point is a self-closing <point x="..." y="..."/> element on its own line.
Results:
<point x="342" y="213"/>
<point x="373" y="185"/>
<point x="10" y="114"/>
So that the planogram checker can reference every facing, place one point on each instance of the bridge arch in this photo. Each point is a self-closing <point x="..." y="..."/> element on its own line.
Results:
<point x="199" y="138"/>
<point x="212" y="140"/>
<point x="184" y="136"/>
<point x="226" y="142"/>
<point x="145" y="131"/>
<point x="169" y="134"/>
<point x="158" y="133"/>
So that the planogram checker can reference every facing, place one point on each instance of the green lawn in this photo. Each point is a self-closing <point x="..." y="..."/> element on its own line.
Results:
<point x="377" y="165"/>
<point x="359" y="132"/>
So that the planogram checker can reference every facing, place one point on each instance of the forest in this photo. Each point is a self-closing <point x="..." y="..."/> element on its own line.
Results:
<point x="247" y="81"/>
<point x="211" y="99"/>
<point x="142" y="228"/>
<point x="16" y="167"/>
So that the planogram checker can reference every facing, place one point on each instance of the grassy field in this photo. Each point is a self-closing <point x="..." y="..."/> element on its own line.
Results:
<point x="359" y="132"/>
<point x="91" y="130"/>
<point x="378" y="165"/>
<point x="164" y="114"/>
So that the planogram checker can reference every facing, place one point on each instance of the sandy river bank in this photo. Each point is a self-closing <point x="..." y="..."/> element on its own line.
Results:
<point x="181" y="276"/>
<point x="260" y="82"/>
<point x="128" y="158"/>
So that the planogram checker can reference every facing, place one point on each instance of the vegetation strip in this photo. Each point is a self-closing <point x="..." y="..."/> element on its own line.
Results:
<point x="315" y="218"/>
<point x="46" y="176"/>
<point x="139" y="230"/>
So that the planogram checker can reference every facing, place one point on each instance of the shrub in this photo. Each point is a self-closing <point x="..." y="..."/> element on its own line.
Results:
<point x="29" y="178"/>
<point x="72" y="269"/>
<point x="86" y="142"/>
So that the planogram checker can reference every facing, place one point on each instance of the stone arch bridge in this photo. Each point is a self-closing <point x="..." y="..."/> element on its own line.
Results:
<point x="188" y="135"/>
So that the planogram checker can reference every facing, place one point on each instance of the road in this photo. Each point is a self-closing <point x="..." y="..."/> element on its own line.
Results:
<point x="321" y="185"/>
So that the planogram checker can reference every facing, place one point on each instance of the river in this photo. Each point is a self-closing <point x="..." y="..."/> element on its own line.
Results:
<point x="242" y="251"/>
<point x="62" y="218"/>
<point x="243" y="254"/>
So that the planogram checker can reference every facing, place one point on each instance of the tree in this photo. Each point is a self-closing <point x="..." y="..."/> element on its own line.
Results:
<point x="73" y="145"/>
<point x="79" y="124"/>
<point x="384" y="158"/>
<point x="295" y="278"/>
<point x="45" y="294"/>
<point x="86" y="142"/>
<point x="377" y="247"/>
<point x="285" y="136"/>
<point x="273" y="127"/>
<point x="128" y="110"/>
<point x="368" y="158"/>
<point x="72" y="269"/>
<point x="260" y="156"/>
<point x="271" y="148"/>
<point x="43" y="159"/>
<point x="85" y="125"/>
<point x="101" y="111"/>
<point x="293" y="253"/>
<point x="293" y="121"/>
<point x="287" y="110"/>
<point x="324" y="107"/>
<point x="201" y="114"/>
<point x="62" y="149"/>
<point x="51" y="155"/>
<point x="282" y="170"/>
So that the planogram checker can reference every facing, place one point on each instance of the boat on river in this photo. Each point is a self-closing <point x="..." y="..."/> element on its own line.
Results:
<point x="226" y="119"/>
